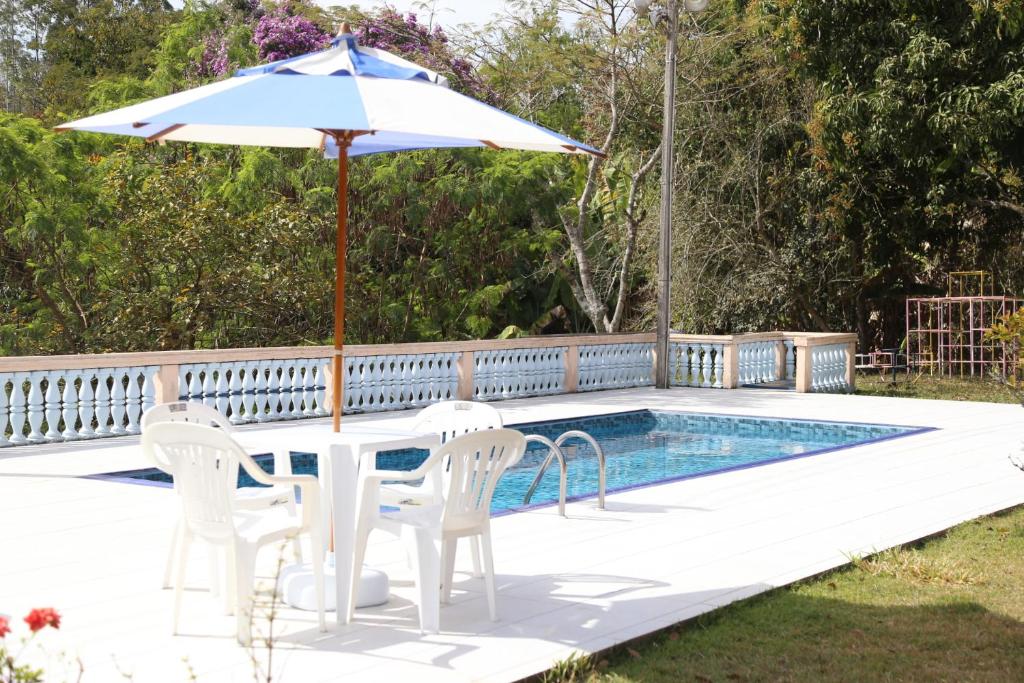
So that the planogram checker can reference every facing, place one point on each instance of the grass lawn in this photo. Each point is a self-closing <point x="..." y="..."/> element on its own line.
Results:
<point x="930" y="386"/>
<point x="948" y="609"/>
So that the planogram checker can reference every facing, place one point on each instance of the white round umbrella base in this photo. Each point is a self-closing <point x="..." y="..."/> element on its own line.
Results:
<point x="297" y="588"/>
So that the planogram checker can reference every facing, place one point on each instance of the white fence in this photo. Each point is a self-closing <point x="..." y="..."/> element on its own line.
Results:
<point x="64" y="398"/>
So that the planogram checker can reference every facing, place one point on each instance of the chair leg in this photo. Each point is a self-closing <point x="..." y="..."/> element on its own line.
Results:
<point x="172" y="553"/>
<point x="245" y="587"/>
<point x="363" y="529"/>
<point x="184" y="544"/>
<point x="317" y="551"/>
<point x="230" y="595"/>
<point x="448" y="549"/>
<point x="216" y="584"/>
<point x="296" y="544"/>
<point x="474" y="550"/>
<point x="488" y="557"/>
<point x="427" y="544"/>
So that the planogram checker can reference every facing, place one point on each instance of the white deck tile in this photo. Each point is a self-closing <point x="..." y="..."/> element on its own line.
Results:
<point x="656" y="556"/>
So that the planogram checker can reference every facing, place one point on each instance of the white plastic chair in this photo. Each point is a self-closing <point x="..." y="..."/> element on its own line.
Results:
<point x="449" y="419"/>
<point x="204" y="462"/>
<point x="247" y="497"/>
<point x="475" y="463"/>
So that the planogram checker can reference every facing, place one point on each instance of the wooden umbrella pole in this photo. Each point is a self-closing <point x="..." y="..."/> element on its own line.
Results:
<point x="337" y="366"/>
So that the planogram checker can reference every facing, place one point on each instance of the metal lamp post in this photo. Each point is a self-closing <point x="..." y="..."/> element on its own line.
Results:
<point x="666" y="13"/>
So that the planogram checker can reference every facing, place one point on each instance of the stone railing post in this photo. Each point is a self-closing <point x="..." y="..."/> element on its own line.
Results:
<point x="851" y="366"/>
<point x="465" y="369"/>
<point x="780" y="360"/>
<point x="166" y="385"/>
<point x="731" y="365"/>
<point x="329" y="386"/>
<point x="803" y="365"/>
<point x="572" y="369"/>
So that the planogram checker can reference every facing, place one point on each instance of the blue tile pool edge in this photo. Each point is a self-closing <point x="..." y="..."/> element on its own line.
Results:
<point x="913" y="431"/>
<point x="120" y="477"/>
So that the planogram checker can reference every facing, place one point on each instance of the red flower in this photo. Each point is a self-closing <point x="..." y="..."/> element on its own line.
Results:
<point x="41" y="617"/>
<point x="5" y="626"/>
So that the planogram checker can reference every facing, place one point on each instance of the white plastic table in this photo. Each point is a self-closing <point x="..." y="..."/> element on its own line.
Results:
<point x="338" y="457"/>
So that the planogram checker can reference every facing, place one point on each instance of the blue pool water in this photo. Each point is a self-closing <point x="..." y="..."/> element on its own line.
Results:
<point x="642" y="447"/>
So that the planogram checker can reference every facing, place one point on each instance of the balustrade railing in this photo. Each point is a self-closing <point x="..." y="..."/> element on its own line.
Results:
<point x="518" y="373"/>
<point x="63" y="398"/>
<point x="697" y="363"/>
<point x="615" y="366"/>
<point x="758" y="362"/>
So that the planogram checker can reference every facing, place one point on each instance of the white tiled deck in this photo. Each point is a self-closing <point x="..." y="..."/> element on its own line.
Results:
<point x="659" y="555"/>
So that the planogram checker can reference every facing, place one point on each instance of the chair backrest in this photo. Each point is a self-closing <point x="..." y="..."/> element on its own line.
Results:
<point x="455" y="418"/>
<point x="204" y="462"/>
<point x="180" y="411"/>
<point x="186" y="411"/>
<point x="476" y="462"/>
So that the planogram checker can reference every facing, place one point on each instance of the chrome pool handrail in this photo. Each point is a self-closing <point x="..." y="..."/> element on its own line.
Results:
<point x="555" y="451"/>
<point x="602" y="462"/>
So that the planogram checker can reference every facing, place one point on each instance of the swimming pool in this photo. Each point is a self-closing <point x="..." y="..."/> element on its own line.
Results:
<point x="642" y="447"/>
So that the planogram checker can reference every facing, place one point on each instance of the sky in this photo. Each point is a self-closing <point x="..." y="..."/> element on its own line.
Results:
<point x="449" y="12"/>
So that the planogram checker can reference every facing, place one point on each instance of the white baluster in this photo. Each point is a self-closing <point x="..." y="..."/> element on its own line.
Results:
<point x="208" y="390"/>
<point x="103" y="402"/>
<point x="790" y="360"/>
<point x="195" y="386"/>
<point x="86" y="405"/>
<point x="149" y="374"/>
<point x="352" y="368"/>
<point x="52" y="406"/>
<point x="369" y="378"/>
<point x="246" y="392"/>
<point x="36" y="407"/>
<point x="117" y="402"/>
<point x="408" y="390"/>
<point x="275" y="400"/>
<point x="308" y="389"/>
<point x="479" y="379"/>
<point x="19" y="408"/>
<point x="691" y="365"/>
<point x="261" y="399"/>
<point x="706" y="365"/>
<point x="215" y="387"/>
<point x="297" y="388"/>
<point x="428" y="373"/>
<point x="70" y="400"/>
<point x="5" y="407"/>
<point x="236" y="370"/>
<point x="392" y="377"/>
<point x="320" y="395"/>
<point x="719" y="365"/>
<point x="743" y="364"/>
<point x="133" y="401"/>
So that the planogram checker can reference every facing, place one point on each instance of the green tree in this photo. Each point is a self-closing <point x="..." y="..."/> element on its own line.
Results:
<point x="918" y="142"/>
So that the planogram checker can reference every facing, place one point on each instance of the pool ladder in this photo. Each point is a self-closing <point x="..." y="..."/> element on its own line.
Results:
<point x="555" y="452"/>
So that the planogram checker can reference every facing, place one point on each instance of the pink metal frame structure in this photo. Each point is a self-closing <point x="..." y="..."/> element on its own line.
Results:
<point x="946" y="335"/>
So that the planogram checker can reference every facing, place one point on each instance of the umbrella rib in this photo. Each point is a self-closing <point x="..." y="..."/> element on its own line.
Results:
<point x="491" y="144"/>
<point x="166" y="131"/>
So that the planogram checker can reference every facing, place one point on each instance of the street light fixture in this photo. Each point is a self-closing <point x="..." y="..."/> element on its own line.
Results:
<point x="666" y="12"/>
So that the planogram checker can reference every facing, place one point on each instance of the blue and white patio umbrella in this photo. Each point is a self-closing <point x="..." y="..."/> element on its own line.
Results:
<point x="346" y="100"/>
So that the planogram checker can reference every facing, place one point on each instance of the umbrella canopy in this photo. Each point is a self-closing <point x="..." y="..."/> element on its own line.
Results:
<point x="346" y="100"/>
<point x="300" y="102"/>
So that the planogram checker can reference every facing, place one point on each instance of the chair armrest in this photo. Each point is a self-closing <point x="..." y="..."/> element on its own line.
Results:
<point x="380" y="476"/>
<point x="309" y="488"/>
<point x="282" y="462"/>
